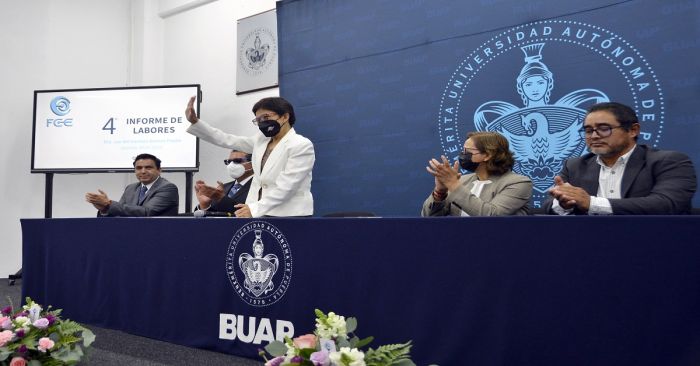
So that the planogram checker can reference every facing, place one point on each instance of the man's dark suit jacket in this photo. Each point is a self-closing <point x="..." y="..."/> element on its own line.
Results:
<point x="656" y="182"/>
<point x="161" y="199"/>
<point x="226" y="204"/>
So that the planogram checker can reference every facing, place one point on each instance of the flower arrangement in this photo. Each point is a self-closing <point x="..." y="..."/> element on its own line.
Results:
<point x="334" y="343"/>
<point x="33" y="336"/>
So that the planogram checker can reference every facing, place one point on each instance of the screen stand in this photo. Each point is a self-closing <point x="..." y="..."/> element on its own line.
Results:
<point x="188" y="191"/>
<point x="48" y="195"/>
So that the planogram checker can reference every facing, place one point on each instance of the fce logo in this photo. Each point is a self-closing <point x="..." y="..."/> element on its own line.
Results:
<point x="60" y="106"/>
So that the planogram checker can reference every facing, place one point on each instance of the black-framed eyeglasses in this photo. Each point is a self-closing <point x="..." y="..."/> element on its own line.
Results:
<point x="261" y="118"/>
<point x="601" y="130"/>
<point x="473" y="151"/>
<point x="236" y="161"/>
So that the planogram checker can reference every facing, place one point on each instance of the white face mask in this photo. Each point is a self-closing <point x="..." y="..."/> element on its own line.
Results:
<point x="235" y="170"/>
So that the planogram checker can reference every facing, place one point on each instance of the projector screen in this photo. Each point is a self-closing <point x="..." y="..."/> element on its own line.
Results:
<point x="102" y="130"/>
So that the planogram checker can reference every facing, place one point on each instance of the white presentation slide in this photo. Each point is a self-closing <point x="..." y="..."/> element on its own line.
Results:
<point x="104" y="129"/>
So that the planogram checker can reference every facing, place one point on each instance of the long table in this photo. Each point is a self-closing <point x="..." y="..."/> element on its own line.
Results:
<point x="467" y="291"/>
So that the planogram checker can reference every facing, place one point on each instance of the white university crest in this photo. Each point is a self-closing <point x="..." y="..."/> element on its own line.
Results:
<point x="258" y="270"/>
<point x="259" y="263"/>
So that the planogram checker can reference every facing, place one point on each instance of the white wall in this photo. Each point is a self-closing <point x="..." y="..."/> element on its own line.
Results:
<point x="56" y="44"/>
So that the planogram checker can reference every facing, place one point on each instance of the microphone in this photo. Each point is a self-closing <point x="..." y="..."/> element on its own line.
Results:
<point x="200" y="213"/>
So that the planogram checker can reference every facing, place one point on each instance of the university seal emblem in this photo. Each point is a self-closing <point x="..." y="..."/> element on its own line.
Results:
<point x="543" y="130"/>
<point x="259" y="263"/>
<point x="257" y="51"/>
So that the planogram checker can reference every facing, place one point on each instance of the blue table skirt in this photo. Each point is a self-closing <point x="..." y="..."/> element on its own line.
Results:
<point x="467" y="291"/>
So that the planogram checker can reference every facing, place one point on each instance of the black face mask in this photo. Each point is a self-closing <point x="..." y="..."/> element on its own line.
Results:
<point x="269" y="127"/>
<point x="465" y="161"/>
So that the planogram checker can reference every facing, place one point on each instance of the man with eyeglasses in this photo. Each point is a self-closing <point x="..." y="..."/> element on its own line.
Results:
<point x="224" y="197"/>
<point x="619" y="177"/>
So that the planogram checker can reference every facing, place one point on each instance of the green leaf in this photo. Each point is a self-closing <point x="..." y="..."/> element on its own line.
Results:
<point x="55" y="362"/>
<point x="276" y="348"/>
<point x="69" y="327"/>
<point x="67" y="354"/>
<point x="353" y="342"/>
<point x="342" y="343"/>
<point x="56" y="312"/>
<point x="390" y="354"/>
<point x="305" y="353"/>
<point x="34" y="363"/>
<point x="364" y="342"/>
<point x="88" y="337"/>
<point x="320" y="314"/>
<point x="4" y="353"/>
<point x="403" y="362"/>
<point x="351" y="324"/>
<point x="68" y="339"/>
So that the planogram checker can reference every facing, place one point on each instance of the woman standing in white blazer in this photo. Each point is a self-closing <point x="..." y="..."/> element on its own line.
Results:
<point x="282" y="159"/>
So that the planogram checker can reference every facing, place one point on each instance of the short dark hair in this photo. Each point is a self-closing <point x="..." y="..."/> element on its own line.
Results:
<point x="278" y="105"/>
<point x="623" y="114"/>
<point x="147" y="156"/>
<point x="494" y="144"/>
<point x="247" y="156"/>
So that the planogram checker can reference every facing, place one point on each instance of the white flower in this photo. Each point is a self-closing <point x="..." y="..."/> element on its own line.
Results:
<point x="22" y="322"/>
<point x="34" y="312"/>
<point x="347" y="357"/>
<point x="291" y="352"/>
<point x="333" y="327"/>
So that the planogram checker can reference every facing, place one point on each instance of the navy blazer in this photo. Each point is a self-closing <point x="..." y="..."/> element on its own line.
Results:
<point x="227" y="204"/>
<point x="655" y="182"/>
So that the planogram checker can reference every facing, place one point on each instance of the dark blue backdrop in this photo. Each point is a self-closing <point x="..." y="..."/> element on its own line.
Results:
<point x="380" y="87"/>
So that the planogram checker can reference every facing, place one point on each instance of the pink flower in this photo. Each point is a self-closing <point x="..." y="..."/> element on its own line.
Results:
<point x="5" y="320"/>
<point x="45" y="344"/>
<point x="275" y="361"/>
<point x="320" y="358"/>
<point x="5" y="336"/>
<point x="305" y="341"/>
<point x="18" y="361"/>
<point x="5" y="323"/>
<point x="41" y="323"/>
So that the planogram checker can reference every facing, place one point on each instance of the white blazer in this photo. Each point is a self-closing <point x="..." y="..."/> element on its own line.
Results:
<point x="286" y="178"/>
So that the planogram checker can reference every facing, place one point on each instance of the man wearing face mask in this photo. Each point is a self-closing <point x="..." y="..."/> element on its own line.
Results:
<point x="491" y="190"/>
<point x="281" y="158"/>
<point x="225" y="197"/>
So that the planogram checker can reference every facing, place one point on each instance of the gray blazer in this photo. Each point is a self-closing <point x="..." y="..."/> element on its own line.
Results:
<point x="655" y="182"/>
<point x="508" y="194"/>
<point x="161" y="200"/>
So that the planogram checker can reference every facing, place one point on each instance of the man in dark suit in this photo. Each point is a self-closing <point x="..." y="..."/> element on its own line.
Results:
<point x="224" y="197"/>
<point x="619" y="177"/>
<point x="153" y="195"/>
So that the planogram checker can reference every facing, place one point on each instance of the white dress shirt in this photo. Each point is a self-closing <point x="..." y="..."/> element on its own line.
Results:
<point x="609" y="186"/>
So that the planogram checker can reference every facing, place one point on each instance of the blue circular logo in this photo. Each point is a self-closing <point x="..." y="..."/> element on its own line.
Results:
<point x="60" y="106"/>
<point x="537" y="72"/>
